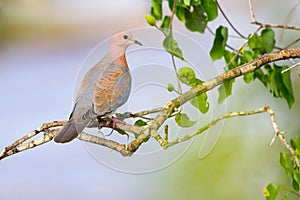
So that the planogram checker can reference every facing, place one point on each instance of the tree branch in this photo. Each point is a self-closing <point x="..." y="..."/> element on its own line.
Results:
<point x="165" y="144"/>
<point x="243" y="45"/>
<point x="276" y="26"/>
<point x="163" y="113"/>
<point x="263" y="25"/>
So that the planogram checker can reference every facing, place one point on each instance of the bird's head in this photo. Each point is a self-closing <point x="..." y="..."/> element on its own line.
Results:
<point x="123" y="39"/>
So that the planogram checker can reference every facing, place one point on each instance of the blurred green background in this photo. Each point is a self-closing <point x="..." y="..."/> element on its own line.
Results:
<point x="42" y="44"/>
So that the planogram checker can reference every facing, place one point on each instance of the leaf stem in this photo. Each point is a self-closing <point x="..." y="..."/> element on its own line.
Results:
<point x="172" y="56"/>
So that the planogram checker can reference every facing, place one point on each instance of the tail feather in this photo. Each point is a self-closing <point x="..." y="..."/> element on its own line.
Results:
<point x="67" y="133"/>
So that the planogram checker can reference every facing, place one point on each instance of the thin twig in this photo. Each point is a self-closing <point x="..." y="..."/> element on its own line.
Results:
<point x="294" y="64"/>
<point x="213" y="122"/>
<point x="172" y="56"/>
<point x="141" y="114"/>
<point x="280" y="135"/>
<point x="288" y="17"/>
<point x="176" y="73"/>
<point x="252" y="11"/>
<point x="166" y="144"/>
<point x="243" y="45"/>
<point x="276" y="26"/>
<point x="44" y="127"/>
<point x="105" y="142"/>
<point x="48" y="135"/>
<point x="292" y="43"/>
<point x="263" y="25"/>
<point x="291" y="67"/>
<point x="228" y="21"/>
<point x="291" y="12"/>
<point x="18" y="145"/>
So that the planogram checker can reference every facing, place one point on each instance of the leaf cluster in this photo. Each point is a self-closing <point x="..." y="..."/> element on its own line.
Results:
<point x="271" y="76"/>
<point x="288" y="163"/>
<point x="188" y="77"/>
<point x="195" y="14"/>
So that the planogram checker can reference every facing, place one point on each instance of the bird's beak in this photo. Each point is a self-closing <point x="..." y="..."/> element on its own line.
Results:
<point x="137" y="42"/>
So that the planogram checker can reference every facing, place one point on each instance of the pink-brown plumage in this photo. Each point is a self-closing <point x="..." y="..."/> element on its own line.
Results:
<point x="104" y="88"/>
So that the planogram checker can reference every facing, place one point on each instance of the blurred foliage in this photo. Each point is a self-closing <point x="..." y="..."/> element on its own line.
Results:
<point x="55" y="22"/>
<point x="288" y="163"/>
<point x="196" y="15"/>
<point x="279" y="84"/>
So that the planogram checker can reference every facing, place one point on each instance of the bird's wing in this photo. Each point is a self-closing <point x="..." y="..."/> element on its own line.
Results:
<point x="111" y="89"/>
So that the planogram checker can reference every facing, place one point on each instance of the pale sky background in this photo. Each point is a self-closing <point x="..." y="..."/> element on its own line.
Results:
<point x="40" y="59"/>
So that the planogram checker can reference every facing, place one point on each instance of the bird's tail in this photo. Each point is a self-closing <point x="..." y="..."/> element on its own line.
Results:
<point x="69" y="131"/>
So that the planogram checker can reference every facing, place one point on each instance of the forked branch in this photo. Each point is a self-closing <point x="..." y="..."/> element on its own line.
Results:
<point x="151" y="129"/>
<point x="264" y="25"/>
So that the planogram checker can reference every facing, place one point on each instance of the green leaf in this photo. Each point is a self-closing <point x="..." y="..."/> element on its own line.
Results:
<point x="218" y="48"/>
<point x="287" y="88"/>
<point x="272" y="82"/>
<point x="260" y="75"/>
<point x="280" y="84"/>
<point x="255" y="43"/>
<point x="187" y="2"/>
<point x="170" y="87"/>
<point x="166" y="22"/>
<point x="183" y="120"/>
<point x="225" y="90"/>
<point x="140" y="123"/>
<point x="270" y="192"/>
<point x="186" y="75"/>
<point x="295" y="143"/>
<point x="122" y="132"/>
<point x="150" y="20"/>
<point x="268" y="38"/>
<point x="171" y="3"/>
<point x="285" y="163"/>
<point x="122" y="116"/>
<point x="172" y="47"/>
<point x="247" y="56"/>
<point x="210" y="8"/>
<point x="195" y="20"/>
<point x="181" y="13"/>
<point x="286" y="196"/>
<point x="231" y="59"/>
<point x="295" y="179"/>
<point x="156" y="9"/>
<point x="201" y="103"/>
<point x="264" y="43"/>
<point x="248" y="77"/>
<point x="195" y="2"/>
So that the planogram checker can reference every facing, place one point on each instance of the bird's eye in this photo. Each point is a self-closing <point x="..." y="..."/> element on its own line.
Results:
<point x="125" y="37"/>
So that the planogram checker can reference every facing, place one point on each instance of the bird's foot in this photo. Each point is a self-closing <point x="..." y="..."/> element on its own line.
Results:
<point x="110" y="121"/>
<point x="115" y="120"/>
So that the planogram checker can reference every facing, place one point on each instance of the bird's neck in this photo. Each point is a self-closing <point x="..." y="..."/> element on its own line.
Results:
<point x="121" y="60"/>
<point x="118" y="57"/>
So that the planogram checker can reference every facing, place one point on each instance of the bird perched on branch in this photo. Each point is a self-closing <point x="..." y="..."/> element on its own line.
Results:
<point x="104" y="88"/>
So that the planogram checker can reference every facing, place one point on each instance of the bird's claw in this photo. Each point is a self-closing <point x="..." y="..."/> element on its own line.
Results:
<point x="115" y="120"/>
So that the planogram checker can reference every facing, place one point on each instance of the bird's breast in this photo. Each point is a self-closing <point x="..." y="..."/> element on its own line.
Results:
<point x="121" y="60"/>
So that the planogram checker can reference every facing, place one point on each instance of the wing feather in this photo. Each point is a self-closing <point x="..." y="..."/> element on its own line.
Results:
<point x="111" y="89"/>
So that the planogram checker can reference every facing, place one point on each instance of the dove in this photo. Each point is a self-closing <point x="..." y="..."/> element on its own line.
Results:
<point x="104" y="88"/>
